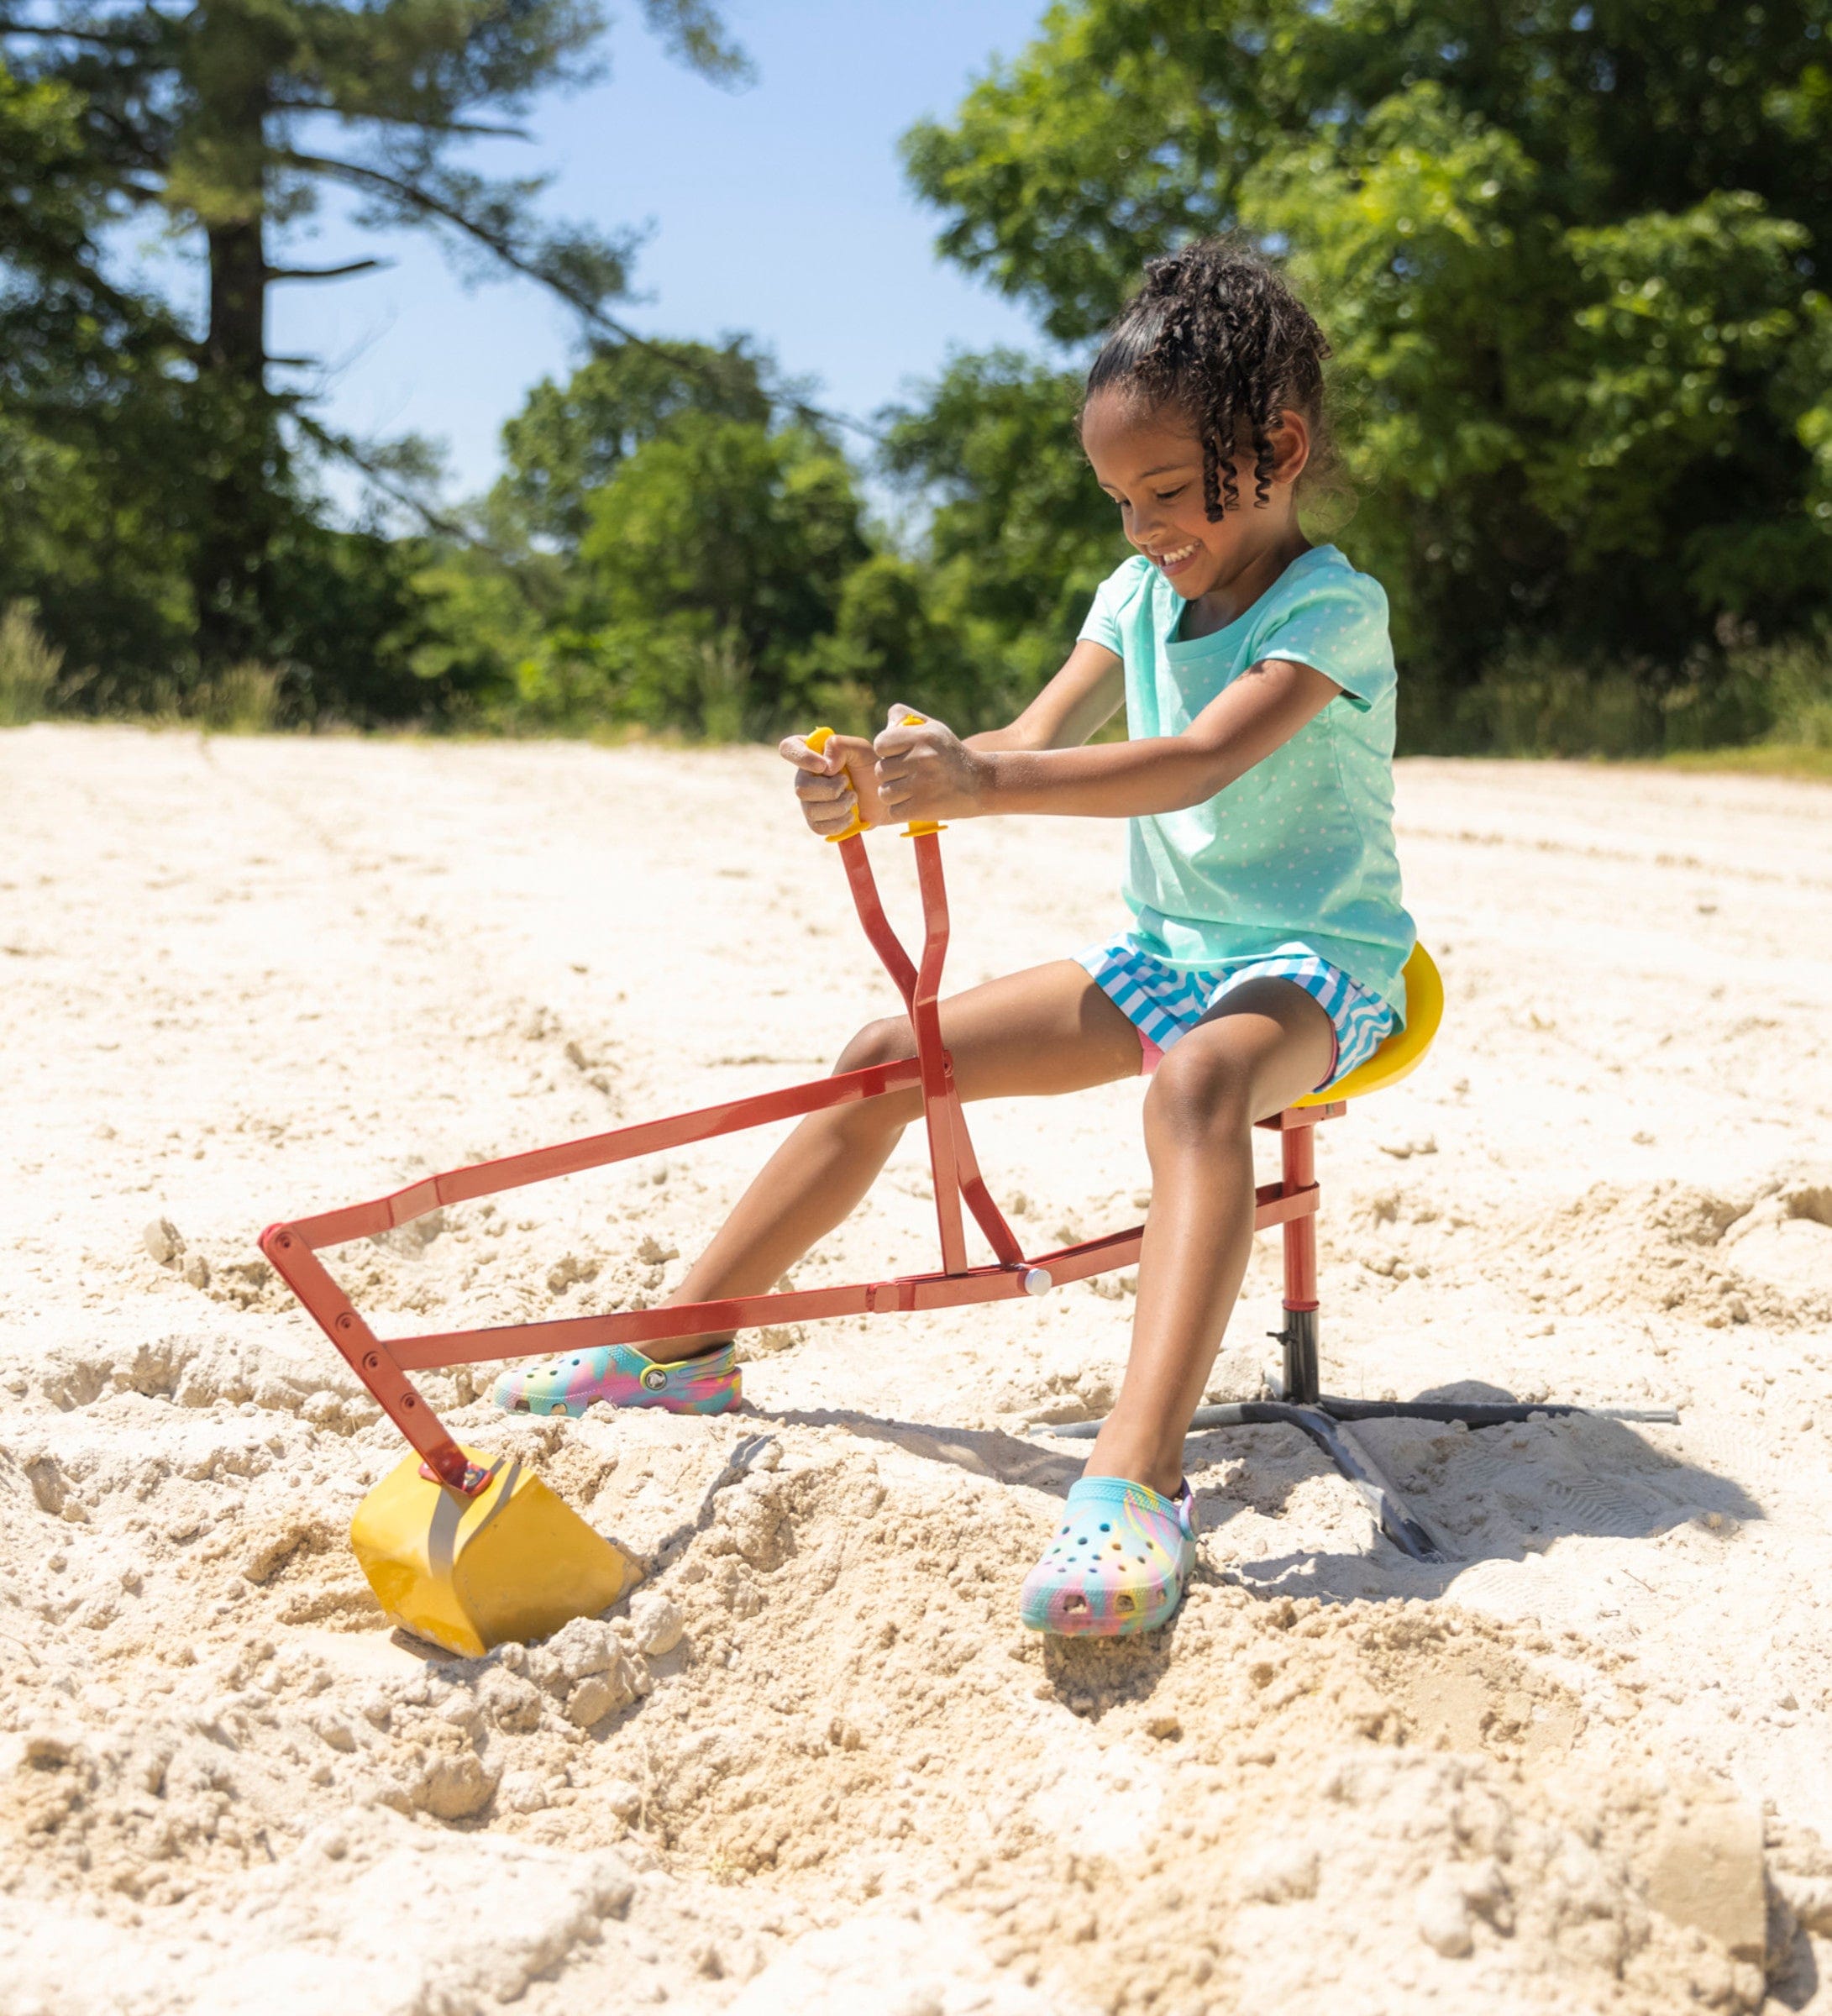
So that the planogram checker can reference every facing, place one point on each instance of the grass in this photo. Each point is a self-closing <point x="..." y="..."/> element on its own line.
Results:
<point x="1758" y="759"/>
<point x="243" y="700"/>
<point x="28" y="667"/>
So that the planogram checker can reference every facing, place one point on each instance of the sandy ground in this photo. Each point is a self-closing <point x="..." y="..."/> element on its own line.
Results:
<point x="818" y="1768"/>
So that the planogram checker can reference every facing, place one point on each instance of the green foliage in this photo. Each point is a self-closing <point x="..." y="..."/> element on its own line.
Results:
<point x="568" y="440"/>
<point x="245" y="700"/>
<point x="889" y="643"/>
<point x="1572" y="264"/>
<point x="1532" y="701"/>
<point x="1021" y="535"/>
<point x="92" y="444"/>
<point x="675" y="547"/>
<point x="162" y="508"/>
<point x="1586" y="437"/>
<point x="28" y="667"/>
<point x="487" y="607"/>
<point x="97" y="541"/>
<point x="1018" y="537"/>
<point x="359" y="641"/>
<point x="712" y="560"/>
<point x="669" y="547"/>
<point x="1063" y="171"/>
<point x="1793" y="682"/>
<point x="100" y="521"/>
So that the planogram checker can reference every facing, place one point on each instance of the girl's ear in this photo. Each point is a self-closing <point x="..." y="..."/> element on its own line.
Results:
<point x="1290" y="445"/>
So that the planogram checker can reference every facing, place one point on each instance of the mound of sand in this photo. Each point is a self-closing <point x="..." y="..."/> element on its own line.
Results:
<point x="814" y="1766"/>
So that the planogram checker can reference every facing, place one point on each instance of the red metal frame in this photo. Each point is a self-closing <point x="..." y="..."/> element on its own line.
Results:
<point x="383" y="1365"/>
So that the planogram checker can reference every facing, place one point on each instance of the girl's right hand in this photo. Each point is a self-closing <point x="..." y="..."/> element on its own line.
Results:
<point x="824" y="783"/>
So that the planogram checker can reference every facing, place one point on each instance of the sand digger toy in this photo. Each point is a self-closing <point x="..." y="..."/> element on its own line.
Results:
<point x="468" y="1550"/>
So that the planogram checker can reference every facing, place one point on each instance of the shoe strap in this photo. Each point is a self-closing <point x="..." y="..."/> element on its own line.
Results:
<point x="1113" y="1492"/>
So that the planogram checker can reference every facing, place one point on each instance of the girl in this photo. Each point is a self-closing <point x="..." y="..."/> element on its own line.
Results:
<point x="1263" y="959"/>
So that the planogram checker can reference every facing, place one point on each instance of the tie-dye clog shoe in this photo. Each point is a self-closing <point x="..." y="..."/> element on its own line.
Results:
<point x="1117" y="1563"/>
<point x="626" y="1379"/>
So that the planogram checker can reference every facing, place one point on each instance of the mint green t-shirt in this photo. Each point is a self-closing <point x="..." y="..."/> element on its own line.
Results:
<point x="1301" y="847"/>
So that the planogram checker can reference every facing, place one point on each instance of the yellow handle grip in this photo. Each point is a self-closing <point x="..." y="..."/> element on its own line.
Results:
<point x="818" y="738"/>
<point x="917" y="827"/>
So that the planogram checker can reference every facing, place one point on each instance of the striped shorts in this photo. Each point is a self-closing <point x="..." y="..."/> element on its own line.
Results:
<point x="1165" y="1002"/>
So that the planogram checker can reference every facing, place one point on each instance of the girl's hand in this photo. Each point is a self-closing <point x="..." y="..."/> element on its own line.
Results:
<point x="927" y="771"/>
<point x="825" y="788"/>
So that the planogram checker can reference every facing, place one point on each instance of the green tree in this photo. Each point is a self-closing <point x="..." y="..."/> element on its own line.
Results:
<point x="1573" y="264"/>
<point x="91" y="421"/>
<point x="229" y="120"/>
<point x="891" y="642"/>
<point x="712" y="560"/>
<point x="514" y="610"/>
<point x="568" y="440"/>
<point x="1020" y="535"/>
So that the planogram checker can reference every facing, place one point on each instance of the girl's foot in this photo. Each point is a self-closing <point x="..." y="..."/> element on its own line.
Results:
<point x="623" y="1376"/>
<point x="1117" y="1564"/>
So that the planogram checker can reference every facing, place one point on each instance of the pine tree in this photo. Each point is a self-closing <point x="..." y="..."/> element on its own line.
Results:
<point x="230" y="119"/>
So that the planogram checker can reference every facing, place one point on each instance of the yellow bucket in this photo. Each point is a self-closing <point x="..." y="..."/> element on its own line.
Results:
<point x="468" y="1574"/>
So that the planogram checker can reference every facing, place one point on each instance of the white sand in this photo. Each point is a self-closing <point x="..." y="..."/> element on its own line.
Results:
<point x="1585" y="1766"/>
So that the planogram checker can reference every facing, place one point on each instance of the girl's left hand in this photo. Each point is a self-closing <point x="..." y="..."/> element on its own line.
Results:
<point x="925" y="771"/>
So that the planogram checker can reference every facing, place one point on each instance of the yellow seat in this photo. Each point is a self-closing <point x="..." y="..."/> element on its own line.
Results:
<point x="1403" y="1052"/>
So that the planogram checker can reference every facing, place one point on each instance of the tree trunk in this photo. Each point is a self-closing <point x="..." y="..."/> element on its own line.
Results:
<point x="242" y="457"/>
<point x="231" y="564"/>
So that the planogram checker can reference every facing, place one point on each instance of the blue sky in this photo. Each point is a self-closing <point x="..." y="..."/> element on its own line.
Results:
<point x="778" y="209"/>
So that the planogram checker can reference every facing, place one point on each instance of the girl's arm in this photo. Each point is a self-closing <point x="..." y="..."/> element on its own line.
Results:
<point x="1079" y="702"/>
<point x="928" y="773"/>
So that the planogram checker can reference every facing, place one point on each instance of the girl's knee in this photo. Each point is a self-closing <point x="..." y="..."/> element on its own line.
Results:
<point x="888" y="1042"/>
<point x="1197" y="1090"/>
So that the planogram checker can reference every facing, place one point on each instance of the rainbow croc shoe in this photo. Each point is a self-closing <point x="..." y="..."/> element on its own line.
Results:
<point x="626" y="1379"/>
<point x="1117" y="1564"/>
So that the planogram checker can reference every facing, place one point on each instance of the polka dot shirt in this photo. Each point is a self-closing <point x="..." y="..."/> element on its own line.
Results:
<point x="1301" y="847"/>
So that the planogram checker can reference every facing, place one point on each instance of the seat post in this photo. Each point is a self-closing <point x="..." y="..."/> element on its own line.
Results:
<point x="1298" y="1171"/>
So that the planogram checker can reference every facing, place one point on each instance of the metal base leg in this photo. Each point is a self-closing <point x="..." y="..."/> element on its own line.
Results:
<point x="1328" y="1421"/>
<point x="1297" y="1399"/>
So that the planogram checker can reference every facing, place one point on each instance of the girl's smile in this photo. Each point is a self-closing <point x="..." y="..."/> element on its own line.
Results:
<point x="1177" y="560"/>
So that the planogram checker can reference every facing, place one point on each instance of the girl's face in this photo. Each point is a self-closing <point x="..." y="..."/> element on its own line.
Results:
<point x="1149" y="461"/>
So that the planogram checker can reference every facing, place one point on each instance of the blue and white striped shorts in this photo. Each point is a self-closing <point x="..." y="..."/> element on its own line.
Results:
<point x="1165" y="1002"/>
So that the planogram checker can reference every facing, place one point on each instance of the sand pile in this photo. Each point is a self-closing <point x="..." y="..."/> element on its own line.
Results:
<point x="814" y="1764"/>
<point x="1761" y="1256"/>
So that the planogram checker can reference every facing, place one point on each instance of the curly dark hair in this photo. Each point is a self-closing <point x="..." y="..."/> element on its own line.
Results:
<point x="1217" y="331"/>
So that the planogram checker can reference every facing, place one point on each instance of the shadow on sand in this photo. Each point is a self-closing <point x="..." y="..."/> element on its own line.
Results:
<point x="1493" y="1494"/>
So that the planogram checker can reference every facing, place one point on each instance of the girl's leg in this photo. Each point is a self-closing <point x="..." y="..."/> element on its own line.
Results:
<point x="1269" y="1043"/>
<point x="1047" y="1030"/>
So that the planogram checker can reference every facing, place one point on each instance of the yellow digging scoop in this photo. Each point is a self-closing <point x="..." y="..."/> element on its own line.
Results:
<point x="511" y="1561"/>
